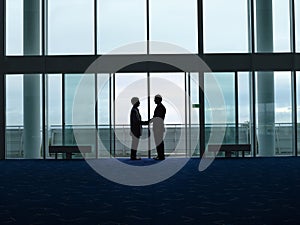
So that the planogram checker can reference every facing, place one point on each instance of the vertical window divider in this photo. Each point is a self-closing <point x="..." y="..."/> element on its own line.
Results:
<point x="45" y="27"/>
<point x="251" y="26"/>
<point x="292" y="26"/>
<point x="110" y="115"/>
<point x="236" y="94"/>
<point x="2" y="81"/>
<point x="294" y="111"/>
<point x="201" y="80"/>
<point x="294" y="77"/>
<point x="252" y="128"/>
<point x="95" y="28"/>
<point x="63" y="108"/>
<point x="148" y="93"/>
<point x="202" y="113"/>
<point x="200" y="26"/>
<point x="44" y="100"/>
<point x="190" y="114"/>
<point x="96" y="114"/>
<point x="114" y="113"/>
<point x="2" y="115"/>
<point x="148" y="26"/>
<point x="185" y="114"/>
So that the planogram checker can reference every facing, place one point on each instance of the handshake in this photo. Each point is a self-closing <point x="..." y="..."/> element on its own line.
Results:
<point x="158" y="126"/>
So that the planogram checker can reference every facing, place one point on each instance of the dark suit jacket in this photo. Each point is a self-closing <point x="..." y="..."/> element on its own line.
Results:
<point x="136" y="122"/>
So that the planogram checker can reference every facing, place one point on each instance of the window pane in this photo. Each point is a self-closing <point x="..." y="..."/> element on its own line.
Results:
<point x="274" y="115"/>
<point x="297" y="23"/>
<point x="85" y="83"/>
<point x="104" y="103"/>
<point x="14" y="27"/>
<point x="174" y="22"/>
<point x="54" y="110"/>
<point x="171" y="86"/>
<point x="23" y="27"/>
<point x="128" y="86"/>
<point x="121" y="23"/>
<point x="171" y="100"/>
<point x="23" y="121"/>
<point x="70" y="27"/>
<point x="225" y="26"/>
<point x="244" y="108"/>
<point x="14" y="116"/>
<point x="80" y="111"/>
<point x="224" y="83"/>
<point x="283" y="114"/>
<point x="272" y="26"/>
<point x="281" y="25"/>
<point x="265" y="116"/>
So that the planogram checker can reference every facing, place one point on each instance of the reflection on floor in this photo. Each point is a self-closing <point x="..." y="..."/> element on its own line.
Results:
<point x="231" y="191"/>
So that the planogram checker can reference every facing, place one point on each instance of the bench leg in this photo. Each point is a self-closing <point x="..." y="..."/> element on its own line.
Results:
<point x="68" y="155"/>
<point x="228" y="154"/>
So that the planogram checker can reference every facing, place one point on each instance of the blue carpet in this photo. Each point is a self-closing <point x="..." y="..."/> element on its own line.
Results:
<point x="231" y="191"/>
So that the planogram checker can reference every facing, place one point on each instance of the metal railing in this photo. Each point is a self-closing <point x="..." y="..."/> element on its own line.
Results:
<point x="116" y="140"/>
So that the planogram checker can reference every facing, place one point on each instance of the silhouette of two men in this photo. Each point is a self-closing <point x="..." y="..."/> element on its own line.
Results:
<point x="158" y="127"/>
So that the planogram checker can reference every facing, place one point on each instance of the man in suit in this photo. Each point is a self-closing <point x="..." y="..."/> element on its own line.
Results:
<point x="158" y="127"/>
<point x="135" y="127"/>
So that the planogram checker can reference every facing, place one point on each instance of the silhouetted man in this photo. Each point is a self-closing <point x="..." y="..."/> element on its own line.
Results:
<point x="158" y="127"/>
<point x="135" y="127"/>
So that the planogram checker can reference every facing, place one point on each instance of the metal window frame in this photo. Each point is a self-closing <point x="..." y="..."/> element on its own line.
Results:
<point x="250" y="62"/>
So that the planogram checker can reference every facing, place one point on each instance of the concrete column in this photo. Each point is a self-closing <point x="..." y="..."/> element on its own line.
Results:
<point x="265" y="81"/>
<point x="32" y="107"/>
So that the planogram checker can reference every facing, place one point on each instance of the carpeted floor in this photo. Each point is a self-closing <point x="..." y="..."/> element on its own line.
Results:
<point x="231" y="191"/>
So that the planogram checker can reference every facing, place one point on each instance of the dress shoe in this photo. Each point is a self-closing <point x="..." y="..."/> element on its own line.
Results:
<point x="135" y="158"/>
<point x="157" y="158"/>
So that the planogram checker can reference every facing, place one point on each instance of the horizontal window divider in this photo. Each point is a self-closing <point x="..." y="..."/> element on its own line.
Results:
<point x="151" y="63"/>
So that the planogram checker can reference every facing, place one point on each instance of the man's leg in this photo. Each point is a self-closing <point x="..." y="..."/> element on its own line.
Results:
<point x="161" y="150"/>
<point x="159" y="142"/>
<point x="134" y="146"/>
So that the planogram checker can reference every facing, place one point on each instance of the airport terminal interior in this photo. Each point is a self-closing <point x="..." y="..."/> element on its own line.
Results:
<point x="228" y="72"/>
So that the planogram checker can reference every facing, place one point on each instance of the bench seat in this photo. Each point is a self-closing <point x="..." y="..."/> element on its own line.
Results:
<point x="228" y="148"/>
<point x="69" y="150"/>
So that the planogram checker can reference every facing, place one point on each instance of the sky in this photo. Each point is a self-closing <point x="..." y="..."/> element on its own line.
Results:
<point x="121" y="22"/>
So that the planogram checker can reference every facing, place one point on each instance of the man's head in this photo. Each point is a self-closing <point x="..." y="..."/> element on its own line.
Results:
<point x="135" y="101"/>
<point x="157" y="99"/>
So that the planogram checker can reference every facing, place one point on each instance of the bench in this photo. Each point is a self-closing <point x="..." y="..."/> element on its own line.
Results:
<point x="228" y="148"/>
<point x="69" y="150"/>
